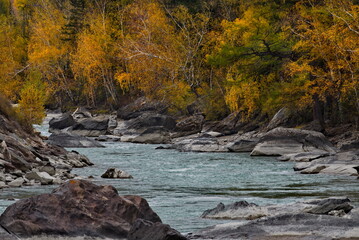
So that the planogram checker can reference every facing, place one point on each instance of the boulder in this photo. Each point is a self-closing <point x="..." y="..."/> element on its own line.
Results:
<point x="202" y="143"/>
<point x="281" y="141"/>
<point x="228" y="124"/>
<point x="91" y="127"/>
<point x="146" y="230"/>
<point x="62" y="122"/>
<point x="153" y="135"/>
<point x="42" y="177"/>
<point x="280" y="119"/>
<point x="189" y="125"/>
<point x="18" y="182"/>
<point x="77" y="208"/>
<point x="290" y="226"/>
<point x="249" y="211"/>
<point x="72" y="141"/>
<point x="242" y="145"/>
<point x="115" y="173"/>
<point x="149" y="119"/>
<point x="310" y="220"/>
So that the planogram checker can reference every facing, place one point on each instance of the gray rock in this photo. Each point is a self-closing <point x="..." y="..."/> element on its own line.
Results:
<point x="279" y="119"/>
<point x="147" y="230"/>
<point x="91" y="127"/>
<point x="5" y="235"/>
<point x="62" y="122"/>
<point x="204" y="143"/>
<point x="313" y="169"/>
<point x="153" y="135"/>
<point x="42" y="177"/>
<point x="116" y="173"/>
<point x="243" y="145"/>
<point x="281" y="141"/>
<point x="18" y="182"/>
<point x="290" y="222"/>
<point x="303" y="156"/>
<point x="250" y="211"/>
<point x="49" y="169"/>
<point x="149" y="119"/>
<point x="2" y="185"/>
<point x="189" y="125"/>
<point x="72" y="140"/>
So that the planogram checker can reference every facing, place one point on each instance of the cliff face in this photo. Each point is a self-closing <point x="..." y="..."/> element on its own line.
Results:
<point x="25" y="159"/>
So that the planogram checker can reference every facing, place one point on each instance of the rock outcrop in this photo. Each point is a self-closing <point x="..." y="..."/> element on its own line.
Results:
<point x="77" y="208"/>
<point x="316" y="219"/>
<point x="72" y="141"/>
<point x="281" y="141"/>
<point x="22" y="152"/>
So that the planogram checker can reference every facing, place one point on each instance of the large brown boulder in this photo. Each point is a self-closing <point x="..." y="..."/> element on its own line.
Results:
<point x="77" y="208"/>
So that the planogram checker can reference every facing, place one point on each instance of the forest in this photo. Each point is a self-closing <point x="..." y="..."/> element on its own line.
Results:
<point x="252" y="57"/>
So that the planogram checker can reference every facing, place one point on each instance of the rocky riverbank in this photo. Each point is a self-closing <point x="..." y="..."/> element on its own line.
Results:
<point x="26" y="159"/>
<point x="148" y="122"/>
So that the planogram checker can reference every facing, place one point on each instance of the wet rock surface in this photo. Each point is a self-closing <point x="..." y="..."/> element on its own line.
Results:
<point x="116" y="173"/>
<point x="77" y="208"/>
<point x="331" y="218"/>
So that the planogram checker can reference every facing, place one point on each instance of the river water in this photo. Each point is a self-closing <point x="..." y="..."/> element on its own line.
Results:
<point x="179" y="186"/>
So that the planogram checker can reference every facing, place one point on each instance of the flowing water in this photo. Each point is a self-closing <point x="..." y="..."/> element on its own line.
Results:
<point x="180" y="186"/>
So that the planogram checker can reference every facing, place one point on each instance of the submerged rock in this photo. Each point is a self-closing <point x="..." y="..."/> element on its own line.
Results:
<point x="116" y="173"/>
<point x="77" y="208"/>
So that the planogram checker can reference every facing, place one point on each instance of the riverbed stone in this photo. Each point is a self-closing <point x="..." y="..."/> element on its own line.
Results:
<point x="18" y="182"/>
<point x="91" y="127"/>
<point x="72" y="140"/>
<point x="289" y="221"/>
<point x="64" y="121"/>
<point x="42" y="177"/>
<point x="77" y="208"/>
<point x="281" y="141"/>
<point x="115" y="173"/>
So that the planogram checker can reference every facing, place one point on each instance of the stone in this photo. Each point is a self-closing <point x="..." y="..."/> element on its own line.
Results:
<point x="48" y="169"/>
<point x="249" y="211"/>
<point x="228" y="125"/>
<point x="146" y="230"/>
<point x="280" y="119"/>
<point x="64" y="121"/>
<point x="242" y="145"/>
<point x="149" y="119"/>
<point x="282" y="141"/>
<point x="5" y="235"/>
<point x="288" y="221"/>
<point x="18" y="182"/>
<point x="42" y="177"/>
<point x="313" y="169"/>
<point x="204" y="143"/>
<point x="77" y="208"/>
<point x="189" y="125"/>
<point x="72" y="141"/>
<point x="116" y="173"/>
<point x="91" y="127"/>
<point x="3" y="185"/>
<point x="153" y="135"/>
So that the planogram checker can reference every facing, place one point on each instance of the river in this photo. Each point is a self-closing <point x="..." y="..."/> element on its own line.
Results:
<point x="179" y="186"/>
